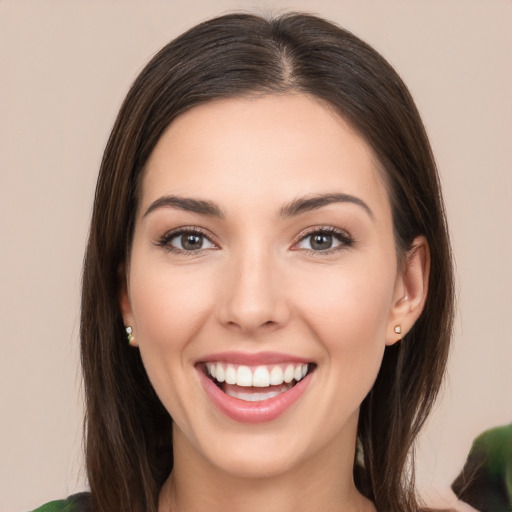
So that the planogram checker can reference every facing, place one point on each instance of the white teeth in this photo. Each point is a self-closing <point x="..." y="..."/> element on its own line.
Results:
<point x="252" y="397"/>
<point x="288" y="373"/>
<point x="260" y="377"/>
<point x="220" y="374"/>
<point x="243" y="377"/>
<point x="230" y="374"/>
<point x="276" y="376"/>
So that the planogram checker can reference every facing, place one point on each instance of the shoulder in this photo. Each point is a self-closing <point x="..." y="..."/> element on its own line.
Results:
<point x="76" y="503"/>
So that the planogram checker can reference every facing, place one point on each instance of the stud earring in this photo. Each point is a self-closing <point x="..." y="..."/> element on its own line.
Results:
<point x="398" y="329"/>
<point x="130" y="336"/>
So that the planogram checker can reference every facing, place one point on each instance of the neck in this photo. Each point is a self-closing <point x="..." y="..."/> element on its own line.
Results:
<point x="322" y="482"/>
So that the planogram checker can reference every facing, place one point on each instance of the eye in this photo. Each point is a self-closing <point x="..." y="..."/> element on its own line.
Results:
<point x="188" y="240"/>
<point x="324" y="240"/>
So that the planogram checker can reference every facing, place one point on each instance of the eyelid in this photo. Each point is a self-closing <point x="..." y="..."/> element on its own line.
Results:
<point x="342" y="236"/>
<point x="164" y="240"/>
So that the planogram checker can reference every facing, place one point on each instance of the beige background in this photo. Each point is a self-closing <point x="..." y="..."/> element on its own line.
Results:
<point x="65" y="67"/>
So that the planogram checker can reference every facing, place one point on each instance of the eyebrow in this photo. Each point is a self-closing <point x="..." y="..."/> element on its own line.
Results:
<point x="308" y="203"/>
<point x="187" y="204"/>
<point x="295" y="207"/>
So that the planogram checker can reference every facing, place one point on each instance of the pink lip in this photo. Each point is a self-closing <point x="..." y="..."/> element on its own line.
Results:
<point x="261" y="358"/>
<point x="253" y="412"/>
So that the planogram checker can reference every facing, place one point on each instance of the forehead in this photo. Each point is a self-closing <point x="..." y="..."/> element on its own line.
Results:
<point x="275" y="147"/>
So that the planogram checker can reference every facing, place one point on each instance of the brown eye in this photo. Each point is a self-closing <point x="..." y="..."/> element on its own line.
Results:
<point x="188" y="241"/>
<point x="320" y="242"/>
<point x="325" y="240"/>
<point x="191" y="242"/>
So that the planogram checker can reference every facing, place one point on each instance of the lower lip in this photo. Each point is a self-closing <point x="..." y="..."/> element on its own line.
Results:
<point x="253" y="412"/>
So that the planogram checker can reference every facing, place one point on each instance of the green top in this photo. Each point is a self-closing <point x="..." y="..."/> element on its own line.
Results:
<point x="485" y="482"/>
<point x="76" y="503"/>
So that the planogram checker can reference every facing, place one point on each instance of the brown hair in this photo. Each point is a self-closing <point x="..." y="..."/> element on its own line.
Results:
<point x="128" y="431"/>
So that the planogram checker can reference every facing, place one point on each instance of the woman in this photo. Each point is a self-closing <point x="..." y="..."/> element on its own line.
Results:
<point x="267" y="292"/>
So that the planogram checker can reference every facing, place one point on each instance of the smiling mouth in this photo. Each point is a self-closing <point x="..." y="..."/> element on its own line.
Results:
<point x="256" y="383"/>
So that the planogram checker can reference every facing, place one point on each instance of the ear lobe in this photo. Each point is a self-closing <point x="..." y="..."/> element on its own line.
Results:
<point x="411" y="291"/>
<point x="125" y="305"/>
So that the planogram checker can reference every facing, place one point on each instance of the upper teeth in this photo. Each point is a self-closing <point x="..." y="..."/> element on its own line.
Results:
<point x="258" y="376"/>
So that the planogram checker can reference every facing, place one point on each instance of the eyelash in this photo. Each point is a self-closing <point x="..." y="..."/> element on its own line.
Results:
<point x="345" y="240"/>
<point x="165" y="241"/>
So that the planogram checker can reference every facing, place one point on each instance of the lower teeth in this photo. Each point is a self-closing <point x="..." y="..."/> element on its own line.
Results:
<point x="255" y="394"/>
<point x="253" y="397"/>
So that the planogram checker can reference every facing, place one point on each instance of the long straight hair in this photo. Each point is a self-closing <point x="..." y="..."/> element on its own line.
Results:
<point x="128" y="440"/>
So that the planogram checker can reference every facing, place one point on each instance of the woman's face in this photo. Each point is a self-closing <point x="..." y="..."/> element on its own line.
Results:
<point x="263" y="249"/>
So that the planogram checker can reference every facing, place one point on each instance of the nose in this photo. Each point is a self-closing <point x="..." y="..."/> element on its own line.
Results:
<point x="253" y="297"/>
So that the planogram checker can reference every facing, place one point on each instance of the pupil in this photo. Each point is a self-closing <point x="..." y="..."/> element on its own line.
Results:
<point x="320" y="242"/>
<point x="191" y="242"/>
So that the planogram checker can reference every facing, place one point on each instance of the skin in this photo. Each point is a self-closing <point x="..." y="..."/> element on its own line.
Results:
<point x="257" y="285"/>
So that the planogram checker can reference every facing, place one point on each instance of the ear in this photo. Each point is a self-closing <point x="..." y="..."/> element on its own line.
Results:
<point x="410" y="291"/>
<point x="126" y="307"/>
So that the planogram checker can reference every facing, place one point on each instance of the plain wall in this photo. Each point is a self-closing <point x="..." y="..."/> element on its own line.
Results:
<point x="65" y="67"/>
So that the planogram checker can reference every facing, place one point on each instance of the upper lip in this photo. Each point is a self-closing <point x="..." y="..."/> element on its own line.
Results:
<point x="252" y="359"/>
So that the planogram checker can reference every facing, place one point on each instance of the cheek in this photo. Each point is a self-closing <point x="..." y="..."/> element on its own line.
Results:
<point x="168" y="304"/>
<point x="348" y="312"/>
<point x="169" y="307"/>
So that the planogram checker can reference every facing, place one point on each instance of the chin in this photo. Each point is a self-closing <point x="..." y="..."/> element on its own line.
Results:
<point x="257" y="463"/>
